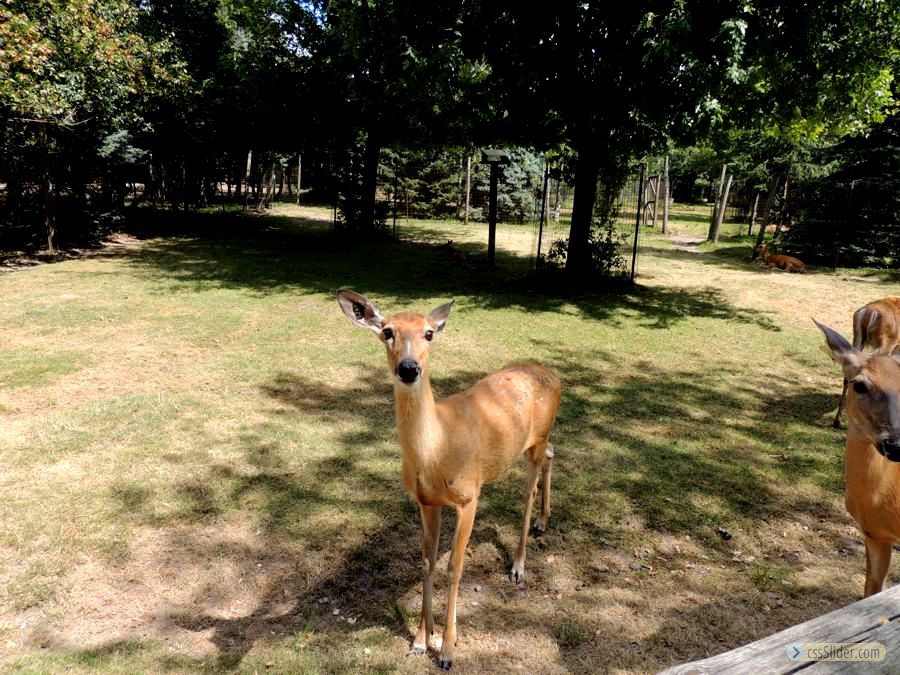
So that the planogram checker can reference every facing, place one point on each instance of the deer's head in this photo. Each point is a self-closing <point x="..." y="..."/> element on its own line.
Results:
<point x="406" y="336"/>
<point x="873" y="396"/>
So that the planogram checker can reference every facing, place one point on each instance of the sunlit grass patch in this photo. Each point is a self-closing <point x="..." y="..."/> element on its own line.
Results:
<point x="206" y="468"/>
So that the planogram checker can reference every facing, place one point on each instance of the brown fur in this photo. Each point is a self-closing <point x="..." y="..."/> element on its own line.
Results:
<point x="785" y="263"/>
<point x="454" y="446"/>
<point x="872" y="479"/>
<point x="876" y="326"/>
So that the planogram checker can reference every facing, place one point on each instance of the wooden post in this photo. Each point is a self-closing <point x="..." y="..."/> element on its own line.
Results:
<point x="720" y="214"/>
<point x="665" y="222"/>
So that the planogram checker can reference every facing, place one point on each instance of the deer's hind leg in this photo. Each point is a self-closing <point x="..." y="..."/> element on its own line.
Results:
<point x="540" y="525"/>
<point x="538" y="464"/>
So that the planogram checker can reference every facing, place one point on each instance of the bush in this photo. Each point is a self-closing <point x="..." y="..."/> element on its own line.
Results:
<point x="605" y="244"/>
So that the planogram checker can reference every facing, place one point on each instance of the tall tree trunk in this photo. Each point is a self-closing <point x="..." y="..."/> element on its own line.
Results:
<point x="665" y="222"/>
<point x="47" y="192"/>
<point x="460" y="186"/>
<point x="247" y="178"/>
<point x="715" y="213"/>
<point x="587" y="171"/>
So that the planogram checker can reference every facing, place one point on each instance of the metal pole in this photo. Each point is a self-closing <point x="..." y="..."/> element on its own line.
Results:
<point x="637" y="223"/>
<point x="492" y="218"/>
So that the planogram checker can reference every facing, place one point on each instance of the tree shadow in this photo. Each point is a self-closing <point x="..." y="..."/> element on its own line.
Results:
<point x="266" y="255"/>
<point x="628" y="437"/>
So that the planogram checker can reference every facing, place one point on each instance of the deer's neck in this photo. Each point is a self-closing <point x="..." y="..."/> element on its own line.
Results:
<point x="421" y="435"/>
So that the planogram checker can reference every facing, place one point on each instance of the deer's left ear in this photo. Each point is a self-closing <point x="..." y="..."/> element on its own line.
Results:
<point x="850" y="359"/>
<point x="438" y="317"/>
<point x="360" y="310"/>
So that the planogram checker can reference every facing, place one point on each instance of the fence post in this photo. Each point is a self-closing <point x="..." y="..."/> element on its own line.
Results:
<point x="543" y="208"/>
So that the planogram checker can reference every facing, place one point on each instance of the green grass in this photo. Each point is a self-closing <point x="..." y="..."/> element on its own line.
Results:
<point x="196" y="448"/>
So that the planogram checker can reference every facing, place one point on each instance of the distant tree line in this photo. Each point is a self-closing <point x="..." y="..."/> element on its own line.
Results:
<point x="193" y="99"/>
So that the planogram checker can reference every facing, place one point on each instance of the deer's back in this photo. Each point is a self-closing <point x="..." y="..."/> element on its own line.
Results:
<point x="877" y="326"/>
<point x="502" y="415"/>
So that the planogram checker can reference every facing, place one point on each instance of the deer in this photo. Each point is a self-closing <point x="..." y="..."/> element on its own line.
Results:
<point x="872" y="450"/>
<point x="457" y="256"/>
<point x="875" y="326"/>
<point x="452" y="447"/>
<point x="785" y="263"/>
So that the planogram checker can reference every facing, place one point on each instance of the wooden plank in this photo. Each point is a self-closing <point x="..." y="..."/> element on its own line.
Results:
<point x="887" y="635"/>
<point x="862" y="621"/>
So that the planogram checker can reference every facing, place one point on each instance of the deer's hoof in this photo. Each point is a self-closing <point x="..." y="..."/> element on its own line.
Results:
<point x="417" y="650"/>
<point x="537" y="532"/>
<point x="445" y="664"/>
<point x="516" y="574"/>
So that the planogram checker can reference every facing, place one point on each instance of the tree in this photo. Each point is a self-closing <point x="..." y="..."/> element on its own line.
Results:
<point x="615" y="82"/>
<point x="72" y="64"/>
<point x="851" y="216"/>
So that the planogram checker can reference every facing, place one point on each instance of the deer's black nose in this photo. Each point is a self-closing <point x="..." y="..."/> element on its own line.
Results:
<point x="408" y="371"/>
<point x="890" y="448"/>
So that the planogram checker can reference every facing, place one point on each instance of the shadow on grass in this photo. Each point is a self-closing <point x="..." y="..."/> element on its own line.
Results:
<point x="265" y="255"/>
<point x="632" y="438"/>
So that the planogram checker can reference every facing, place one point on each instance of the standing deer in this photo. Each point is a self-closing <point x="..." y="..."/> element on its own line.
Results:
<point x="872" y="451"/>
<point x="785" y="263"/>
<point x="454" y="446"/>
<point x="876" y="326"/>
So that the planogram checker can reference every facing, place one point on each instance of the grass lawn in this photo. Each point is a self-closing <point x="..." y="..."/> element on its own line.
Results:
<point x="199" y="471"/>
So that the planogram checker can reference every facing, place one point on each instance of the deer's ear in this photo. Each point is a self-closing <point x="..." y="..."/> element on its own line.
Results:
<point x="359" y="310"/>
<point x="438" y="317"/>
<point x="850" y="359"/>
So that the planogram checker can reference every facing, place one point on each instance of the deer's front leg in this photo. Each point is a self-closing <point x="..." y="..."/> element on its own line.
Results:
<point x="465" y="518"/>
<point x="431" y="533"/>
<point x="517" y="572"/>
<point x="878" y="563"/>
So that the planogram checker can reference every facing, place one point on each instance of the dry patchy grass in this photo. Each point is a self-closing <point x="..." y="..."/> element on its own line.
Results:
<point x="198" y="469"/>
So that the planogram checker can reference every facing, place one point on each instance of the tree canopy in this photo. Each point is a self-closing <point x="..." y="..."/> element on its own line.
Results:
<point x="187" y="96"/>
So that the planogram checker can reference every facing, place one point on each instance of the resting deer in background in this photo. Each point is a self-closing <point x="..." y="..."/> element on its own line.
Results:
<point x="454" y="446"/>
<point x="872" y="451"/>
<point x="875" y="326"/>
<point x="781" y="262"/>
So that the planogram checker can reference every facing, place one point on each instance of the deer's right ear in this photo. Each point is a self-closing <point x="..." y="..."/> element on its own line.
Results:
<point x="850" y="359"/>
<point x="359" y="310"/>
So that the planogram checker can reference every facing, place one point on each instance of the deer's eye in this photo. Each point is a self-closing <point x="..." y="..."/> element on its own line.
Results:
<point x="429" y="334"/>
<point x="387" y="334"/>
<point x="860" y="387"/>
